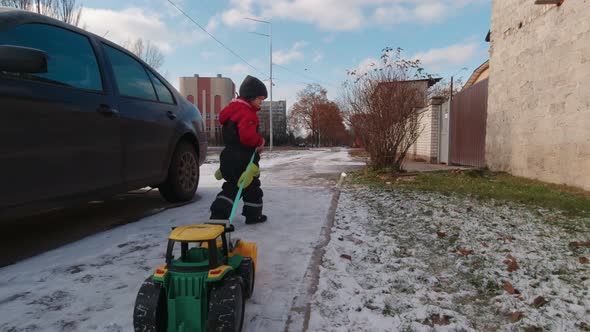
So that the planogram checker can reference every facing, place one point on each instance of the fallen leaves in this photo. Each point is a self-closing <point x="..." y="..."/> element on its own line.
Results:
<point x="511" y="262"/>
<point x="345" y="256"/>
<point x="437" y="319"/>
<point x="510" y="289"/>
<point x="506" y="238"/>
<point x="539" y="302"/>
<point x="483" y="244"/>
<point x="584" y="260"/>
<point x="580" y="244"/>
<point x="515" y="316"/>
<point x="441" y="234"/>
<point x="464" y="252"/>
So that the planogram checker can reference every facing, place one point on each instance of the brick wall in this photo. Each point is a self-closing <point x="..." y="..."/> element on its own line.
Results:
<point x="538" y="123"/>
<point x="426" y="146"/>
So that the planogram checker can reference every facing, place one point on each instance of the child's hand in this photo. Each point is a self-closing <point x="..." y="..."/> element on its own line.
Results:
<point x="218" y="175"/>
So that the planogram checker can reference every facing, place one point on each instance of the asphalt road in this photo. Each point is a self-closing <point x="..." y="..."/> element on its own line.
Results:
<point x="25" y="237"/>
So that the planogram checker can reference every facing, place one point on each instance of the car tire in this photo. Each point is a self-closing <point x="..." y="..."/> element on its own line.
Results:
<point x="247" y="273"/>
<point x="226" y="306"/>
<point x="183" y="175"/>
<point x="150" y="313"/>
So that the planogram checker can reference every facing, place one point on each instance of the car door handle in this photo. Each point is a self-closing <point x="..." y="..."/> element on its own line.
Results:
<point x="171" y="115"/>
<point x="106" y="110"/>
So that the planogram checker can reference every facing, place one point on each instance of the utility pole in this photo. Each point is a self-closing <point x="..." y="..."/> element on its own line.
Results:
<point x="270" y="107"/>
<point x="451" y="88"/>
<point x="319" y="130"/>
<point x="271" y="84"/>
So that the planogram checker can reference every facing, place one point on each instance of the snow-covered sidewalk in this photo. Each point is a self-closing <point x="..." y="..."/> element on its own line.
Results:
<point x="91" y="285"/>
<point x="410" y="261"/>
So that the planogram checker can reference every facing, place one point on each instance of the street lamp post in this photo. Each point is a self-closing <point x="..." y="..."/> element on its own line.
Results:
<point x="270" y="46"/>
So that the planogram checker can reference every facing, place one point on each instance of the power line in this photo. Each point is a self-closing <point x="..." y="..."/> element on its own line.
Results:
<point x="214" y="38"/>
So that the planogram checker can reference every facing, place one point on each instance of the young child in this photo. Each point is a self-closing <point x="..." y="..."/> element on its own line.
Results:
<point x="241" y="138"/>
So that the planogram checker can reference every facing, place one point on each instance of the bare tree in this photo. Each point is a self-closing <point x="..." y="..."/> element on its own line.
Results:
<point x="306" y="110"/>
<point x="19" y="4"/>
<point x="67" y="11"/>
<point x="146" y="51"/>
<point x="381" y="107"/>
<point x="316" y="114"/>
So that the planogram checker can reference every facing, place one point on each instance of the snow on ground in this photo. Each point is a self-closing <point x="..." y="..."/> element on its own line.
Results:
<point x="410" y="261"/>
<point x="91" y="285"/>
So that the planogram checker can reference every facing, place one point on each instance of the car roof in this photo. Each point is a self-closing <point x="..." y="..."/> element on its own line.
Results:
<point x="11" y="16"/>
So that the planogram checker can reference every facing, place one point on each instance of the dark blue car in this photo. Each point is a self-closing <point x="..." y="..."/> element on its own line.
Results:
<point x="82" y="117"/>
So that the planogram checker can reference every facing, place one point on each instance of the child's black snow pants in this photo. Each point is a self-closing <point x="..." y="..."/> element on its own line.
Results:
<point x="234" y="160"/>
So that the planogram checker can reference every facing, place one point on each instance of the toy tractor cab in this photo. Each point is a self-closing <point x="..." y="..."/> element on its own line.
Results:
<point x="203" y="287"/>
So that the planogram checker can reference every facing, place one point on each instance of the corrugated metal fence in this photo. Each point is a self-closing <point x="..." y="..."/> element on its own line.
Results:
<point x="468" y="126"/>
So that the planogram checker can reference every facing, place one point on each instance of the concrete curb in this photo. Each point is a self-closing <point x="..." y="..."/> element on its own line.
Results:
<point x="300" y="312"/>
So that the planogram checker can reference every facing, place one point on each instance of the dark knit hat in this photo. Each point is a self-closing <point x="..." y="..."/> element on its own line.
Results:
<point x="252" y="87"/>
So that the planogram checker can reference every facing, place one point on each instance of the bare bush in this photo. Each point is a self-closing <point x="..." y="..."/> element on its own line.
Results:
<point x="381" y="103"/>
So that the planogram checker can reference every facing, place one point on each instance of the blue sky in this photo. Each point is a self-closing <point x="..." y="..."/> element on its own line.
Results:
<point x="316" y="40"/>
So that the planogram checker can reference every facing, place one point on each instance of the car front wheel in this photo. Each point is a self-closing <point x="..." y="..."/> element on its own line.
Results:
<point x="183" y="175"/>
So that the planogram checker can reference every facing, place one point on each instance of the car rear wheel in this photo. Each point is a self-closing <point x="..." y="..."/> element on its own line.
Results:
<point x="183" y="175"/>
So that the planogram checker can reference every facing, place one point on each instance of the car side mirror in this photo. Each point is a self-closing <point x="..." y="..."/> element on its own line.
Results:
<point x="17" y="59"/>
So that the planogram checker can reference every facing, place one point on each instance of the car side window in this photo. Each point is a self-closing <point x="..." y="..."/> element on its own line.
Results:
<point x="132" y="78"/>
<point x="164" y="95"/>
<point x="71" y="59"/>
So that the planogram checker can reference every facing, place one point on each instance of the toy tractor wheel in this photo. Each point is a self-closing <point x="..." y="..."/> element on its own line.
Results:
<point x="226" y="306"/>
<point x="150" y="313"/>
<point x="246" y="271"/>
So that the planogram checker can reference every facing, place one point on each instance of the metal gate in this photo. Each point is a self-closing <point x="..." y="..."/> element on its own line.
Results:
<point x="468" y="126"/>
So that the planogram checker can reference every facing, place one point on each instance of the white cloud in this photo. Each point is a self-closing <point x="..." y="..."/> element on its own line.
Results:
<point x="432" y="11"/>
<point x="207" y="55"/>
<point x="454" y="55"/>
<point x="213" y="24"/>
<point x="367" y="65"/>
<point x="393" y="14"/>
<point x="319" y="56"/>
<point x="425" y="12"/>
<point x="236" y="17"/>
<point x="239" y="69"/>
<point x="432" y="59"/>
<point x="330" y="38"/>
<point x="286" y="91"/>
<point x="345" y="15"/>
<point x="232" y="17"/>
<point x="132" y="23"/>
<point x="285" y="57"/>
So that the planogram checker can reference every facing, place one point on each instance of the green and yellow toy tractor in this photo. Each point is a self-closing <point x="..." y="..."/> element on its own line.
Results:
<point x="201" y="288"/>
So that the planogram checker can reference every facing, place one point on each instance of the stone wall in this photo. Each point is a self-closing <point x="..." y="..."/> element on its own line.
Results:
<point x="538" y="123"/>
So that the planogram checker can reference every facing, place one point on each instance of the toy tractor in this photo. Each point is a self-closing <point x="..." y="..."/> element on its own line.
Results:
<point x="202" y="289"/>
